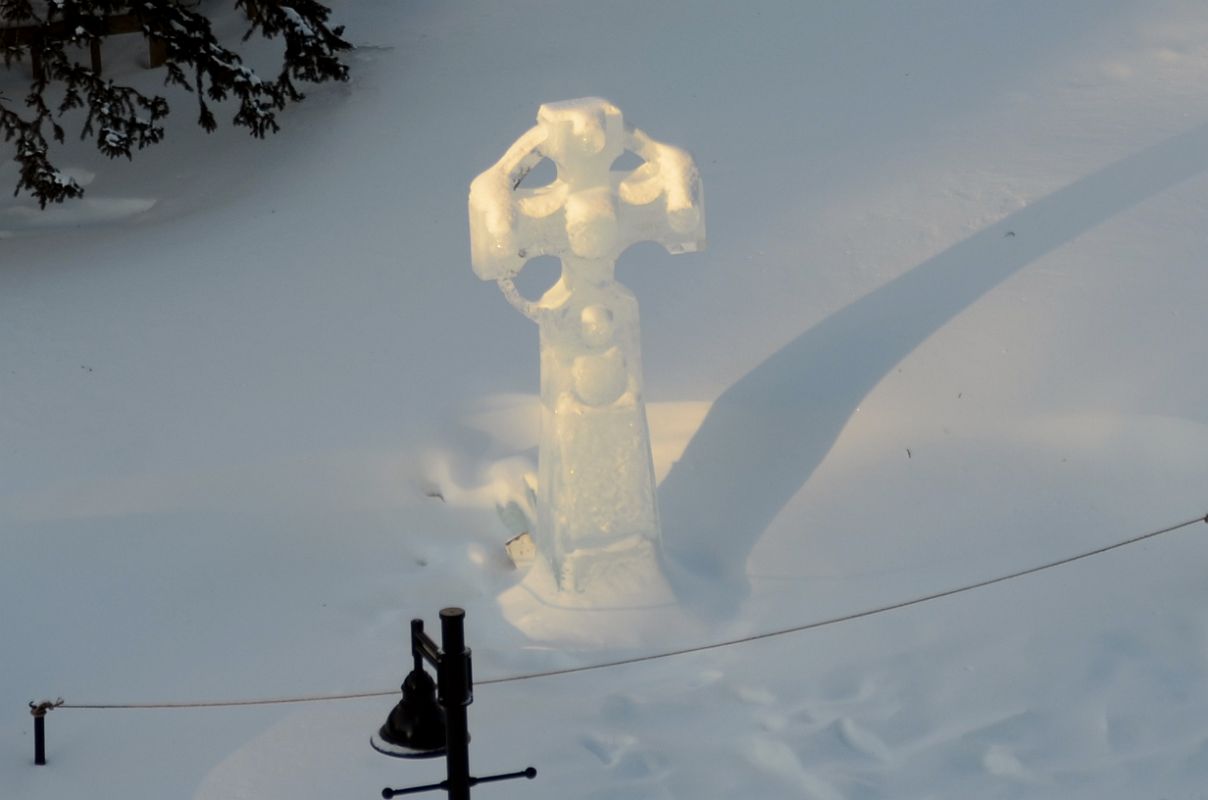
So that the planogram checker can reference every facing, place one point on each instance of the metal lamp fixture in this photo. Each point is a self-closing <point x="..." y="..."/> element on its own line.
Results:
<point x="430" y="720"/>
<point x="416" y="726"/>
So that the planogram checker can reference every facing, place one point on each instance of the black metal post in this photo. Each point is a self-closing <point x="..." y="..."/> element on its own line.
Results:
<point x="39" y="711"/>
<point x="455" y="696"/>
<point x="40" y="738"/>
<point x="417" y="655"/>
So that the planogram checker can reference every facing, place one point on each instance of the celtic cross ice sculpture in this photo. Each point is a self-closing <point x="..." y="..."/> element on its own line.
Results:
<point x="596" y="490"/>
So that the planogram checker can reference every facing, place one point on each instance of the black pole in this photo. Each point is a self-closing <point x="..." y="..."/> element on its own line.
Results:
<point x="417" y="655"/>
<point x="40" y="738"/>
<point x="39" y="711"/>
<point x="454" y="684"/>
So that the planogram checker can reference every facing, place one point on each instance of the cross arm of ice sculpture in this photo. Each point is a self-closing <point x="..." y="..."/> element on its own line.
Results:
<point x="589" y="211"/>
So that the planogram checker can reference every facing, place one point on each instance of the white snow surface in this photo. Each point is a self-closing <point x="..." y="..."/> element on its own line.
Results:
<point x="257" y="412"/>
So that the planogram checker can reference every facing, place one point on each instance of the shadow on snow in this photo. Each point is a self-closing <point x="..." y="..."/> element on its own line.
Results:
<point x="767" y="433"/>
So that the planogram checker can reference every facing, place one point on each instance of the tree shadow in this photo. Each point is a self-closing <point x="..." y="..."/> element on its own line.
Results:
<point x="767" y="433"/>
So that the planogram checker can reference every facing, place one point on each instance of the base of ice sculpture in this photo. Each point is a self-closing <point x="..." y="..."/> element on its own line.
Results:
<point x="626" y="566"/>
<point x="624" y="599"/>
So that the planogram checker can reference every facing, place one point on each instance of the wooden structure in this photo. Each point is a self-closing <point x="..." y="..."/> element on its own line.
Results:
<point x="31" y="36"/>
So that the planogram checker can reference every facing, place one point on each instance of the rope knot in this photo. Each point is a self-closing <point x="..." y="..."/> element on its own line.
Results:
<point x="40" y="709"/>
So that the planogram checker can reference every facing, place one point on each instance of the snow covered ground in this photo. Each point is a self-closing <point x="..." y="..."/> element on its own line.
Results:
<point x="950" y="325"/>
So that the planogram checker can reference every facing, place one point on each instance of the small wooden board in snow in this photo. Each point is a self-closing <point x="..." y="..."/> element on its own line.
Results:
<point x="521" y="549"/>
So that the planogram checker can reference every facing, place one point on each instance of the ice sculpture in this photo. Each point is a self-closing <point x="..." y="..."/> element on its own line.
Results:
<point x="596" y="492"/>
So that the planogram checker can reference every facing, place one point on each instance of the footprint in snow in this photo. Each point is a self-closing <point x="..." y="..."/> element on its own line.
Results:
<point x="778" y="759"/>
<point x="621" y="754"/>
<point x="862" y="740"/>
<point x="1001" y="762"/>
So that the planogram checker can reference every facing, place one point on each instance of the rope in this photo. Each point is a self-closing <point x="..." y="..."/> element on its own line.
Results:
<point x="670" y="653"/>
<point x="272" y="701"/>
<point x="853" y="616"/>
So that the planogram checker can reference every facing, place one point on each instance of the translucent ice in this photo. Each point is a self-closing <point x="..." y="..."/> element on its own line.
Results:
<point x="595" y="499"/>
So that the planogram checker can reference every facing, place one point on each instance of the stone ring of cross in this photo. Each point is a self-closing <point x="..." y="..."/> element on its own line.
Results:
<point x="588" y="212"/>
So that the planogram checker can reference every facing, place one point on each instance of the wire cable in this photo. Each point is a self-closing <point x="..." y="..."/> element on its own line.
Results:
<point x="849" y="617"/>
<point x="670" y="653"/>
<point x="271" y="701"/>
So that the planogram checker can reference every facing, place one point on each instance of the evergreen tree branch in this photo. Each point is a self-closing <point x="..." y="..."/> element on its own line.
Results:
<point x="122" y="119"/>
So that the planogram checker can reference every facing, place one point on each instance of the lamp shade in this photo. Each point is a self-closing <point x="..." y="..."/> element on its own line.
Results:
<point x="416" y="726"/>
